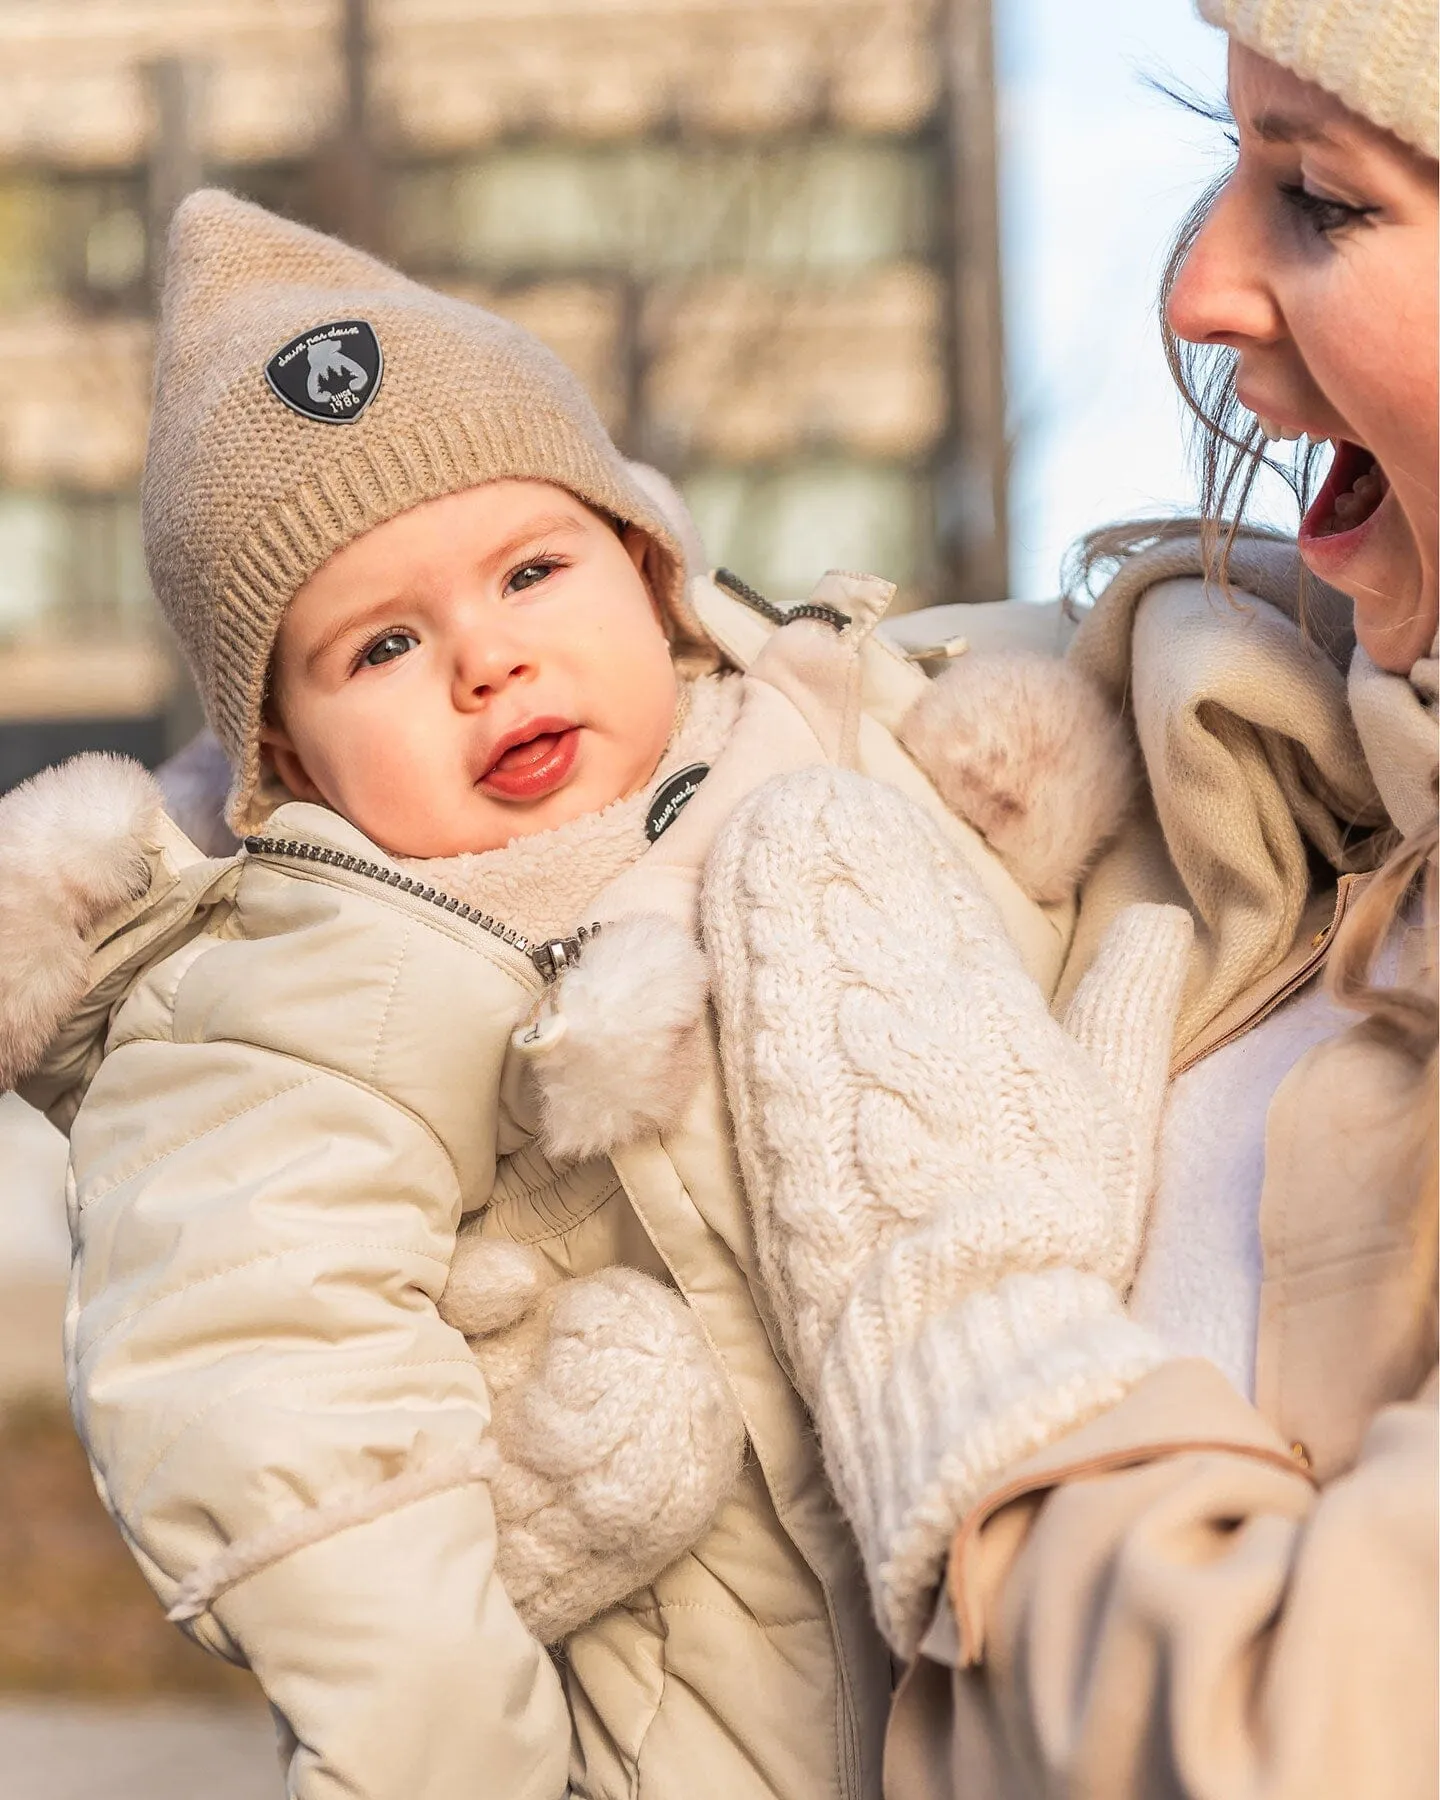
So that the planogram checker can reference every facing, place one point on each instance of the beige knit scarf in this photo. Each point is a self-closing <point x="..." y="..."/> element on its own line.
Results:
<point x="542" y="885"/>
<point x="1253" y="760"/>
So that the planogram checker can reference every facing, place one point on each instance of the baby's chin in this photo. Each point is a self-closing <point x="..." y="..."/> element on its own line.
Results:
<point x="475" y="831"/>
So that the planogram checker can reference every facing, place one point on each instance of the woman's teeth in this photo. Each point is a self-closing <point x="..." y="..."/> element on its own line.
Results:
<point x="1274" y="433"/>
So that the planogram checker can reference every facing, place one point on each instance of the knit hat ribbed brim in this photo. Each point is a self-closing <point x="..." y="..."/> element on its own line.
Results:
<point x="1377" y="56"/>
<point x="245" y="494"/>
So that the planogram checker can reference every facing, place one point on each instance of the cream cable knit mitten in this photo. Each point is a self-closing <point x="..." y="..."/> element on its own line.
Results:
<point x="948" y="1187"/>
<point x="618" y="1435"/>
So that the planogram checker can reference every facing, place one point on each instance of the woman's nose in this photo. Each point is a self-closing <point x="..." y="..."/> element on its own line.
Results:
<point x="1221" y="295"/>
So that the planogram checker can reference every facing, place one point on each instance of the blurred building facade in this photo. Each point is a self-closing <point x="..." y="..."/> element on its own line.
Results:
<point x="749" y="225"/>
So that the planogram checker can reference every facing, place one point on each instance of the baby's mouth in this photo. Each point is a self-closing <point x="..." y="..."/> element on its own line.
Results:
<point x="533" y="761"/>
<point x="1352" y="494"/>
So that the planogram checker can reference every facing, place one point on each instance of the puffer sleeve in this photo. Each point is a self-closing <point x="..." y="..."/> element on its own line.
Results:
<point x="290" y="1438"/>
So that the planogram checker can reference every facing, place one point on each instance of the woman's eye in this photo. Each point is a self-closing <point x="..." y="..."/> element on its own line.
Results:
<point x="1320" y="211"/>
<point x="387" y="648"/>
<point x="528" y="574"/>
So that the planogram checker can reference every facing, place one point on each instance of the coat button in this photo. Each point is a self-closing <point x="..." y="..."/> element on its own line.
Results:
<point x="1301" y="1454"/>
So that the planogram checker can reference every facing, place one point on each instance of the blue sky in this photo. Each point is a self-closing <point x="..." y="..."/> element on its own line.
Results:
<point x="1097" y="171"/>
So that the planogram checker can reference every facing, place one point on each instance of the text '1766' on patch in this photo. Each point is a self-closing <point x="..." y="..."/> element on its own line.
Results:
<point x="672" y="797"/>
<point x="330" y="372"/>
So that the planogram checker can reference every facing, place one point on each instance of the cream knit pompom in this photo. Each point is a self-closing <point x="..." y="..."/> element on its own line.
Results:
<point x="618" y="1434"/>
<point x="948" y="1188"/>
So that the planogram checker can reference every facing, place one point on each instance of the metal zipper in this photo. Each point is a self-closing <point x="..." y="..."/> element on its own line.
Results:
<point x="550" y="958"/>
<point x="779" y="615"/>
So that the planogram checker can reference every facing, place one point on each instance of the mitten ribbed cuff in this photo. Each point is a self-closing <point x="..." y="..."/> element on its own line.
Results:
<point x="914" y="1437"/>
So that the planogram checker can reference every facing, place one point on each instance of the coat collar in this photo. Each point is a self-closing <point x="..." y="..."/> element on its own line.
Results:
<point x="1395" y="718"/>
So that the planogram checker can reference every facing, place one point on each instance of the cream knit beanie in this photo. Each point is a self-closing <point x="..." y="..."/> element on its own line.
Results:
<point x="304" y="393"/>
<point x="1378" y="56"/>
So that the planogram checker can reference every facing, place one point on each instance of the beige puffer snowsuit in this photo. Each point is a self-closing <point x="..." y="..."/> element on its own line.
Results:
<point x="289" y="1085"/>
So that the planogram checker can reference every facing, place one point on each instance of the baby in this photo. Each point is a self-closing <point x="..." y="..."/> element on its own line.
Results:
<point x="417" y="1320"/>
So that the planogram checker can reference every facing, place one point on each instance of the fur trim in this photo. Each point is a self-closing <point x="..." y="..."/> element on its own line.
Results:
<point x="620" y="1056"/>
<point x="72" y="849"/>
<point x="1027" y="750"/>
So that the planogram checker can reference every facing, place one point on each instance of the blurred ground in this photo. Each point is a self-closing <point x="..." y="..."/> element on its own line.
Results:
<point x="75" y="1613"/>
<point x="66" y="1750"/>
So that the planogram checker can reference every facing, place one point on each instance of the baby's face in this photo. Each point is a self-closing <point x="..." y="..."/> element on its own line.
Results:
<point x="480" y="668"/>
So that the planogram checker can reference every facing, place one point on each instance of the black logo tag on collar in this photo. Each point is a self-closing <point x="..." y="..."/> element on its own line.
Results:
<point x="672" y="797"/>
<point x="331" y="372"/>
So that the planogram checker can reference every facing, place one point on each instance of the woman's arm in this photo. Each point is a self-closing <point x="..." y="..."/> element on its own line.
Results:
<point x="1132" y="1617"/>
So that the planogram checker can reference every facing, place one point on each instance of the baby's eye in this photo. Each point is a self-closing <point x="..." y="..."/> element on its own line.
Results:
<point x="528" y="574"/>
<point x="387" y="648"/>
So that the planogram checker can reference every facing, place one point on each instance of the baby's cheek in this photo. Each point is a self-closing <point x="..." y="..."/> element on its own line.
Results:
<point x="385" y="778"/>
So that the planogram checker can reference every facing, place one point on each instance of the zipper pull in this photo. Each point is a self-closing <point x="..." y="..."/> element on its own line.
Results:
<point x="557" y="955"/>
<point x="944" y="651"/>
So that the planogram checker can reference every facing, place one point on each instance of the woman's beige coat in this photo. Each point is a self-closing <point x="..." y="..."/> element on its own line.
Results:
<point x="288" y="1086"/>
<point x="1193" y="1595"/>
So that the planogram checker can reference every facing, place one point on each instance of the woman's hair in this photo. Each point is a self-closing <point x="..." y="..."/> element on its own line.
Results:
<point x="1232" y="453"/>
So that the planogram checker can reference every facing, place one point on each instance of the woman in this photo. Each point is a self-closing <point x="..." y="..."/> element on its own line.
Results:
<point x="1158" y="1518"/>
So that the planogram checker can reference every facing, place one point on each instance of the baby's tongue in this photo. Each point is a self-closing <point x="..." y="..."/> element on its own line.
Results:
<point x="533" y="750"/>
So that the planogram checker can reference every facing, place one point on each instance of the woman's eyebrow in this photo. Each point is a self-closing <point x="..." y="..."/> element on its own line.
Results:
<point x="1281" y="128"/>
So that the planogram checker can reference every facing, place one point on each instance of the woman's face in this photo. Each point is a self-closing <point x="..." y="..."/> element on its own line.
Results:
<point x="1318" y="265"/>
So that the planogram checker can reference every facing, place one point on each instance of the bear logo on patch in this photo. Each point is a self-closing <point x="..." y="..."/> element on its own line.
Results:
<point x="330" y="373"/>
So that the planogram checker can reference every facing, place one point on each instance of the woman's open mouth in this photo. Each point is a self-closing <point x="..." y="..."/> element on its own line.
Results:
<point x="533" y="761"/>
<point x="1354" y="491"/>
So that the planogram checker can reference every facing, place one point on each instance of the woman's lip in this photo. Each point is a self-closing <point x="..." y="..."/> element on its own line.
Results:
<point x="1291" y="427"/>
<point x="532" y="766"/>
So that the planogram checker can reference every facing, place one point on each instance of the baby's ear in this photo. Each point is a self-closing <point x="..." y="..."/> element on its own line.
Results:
<point x="278" y="753"/>
<point x="1027" y="750"/>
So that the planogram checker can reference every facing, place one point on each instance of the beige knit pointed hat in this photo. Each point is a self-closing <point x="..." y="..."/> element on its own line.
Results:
<point x="1379" y="57"/>
<point x="305" y="392"/>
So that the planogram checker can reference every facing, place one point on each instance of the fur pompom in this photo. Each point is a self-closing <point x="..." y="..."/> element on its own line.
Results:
<point x="619" y="1057"/>
<point x="1026" y="749"/>
<point x="72" y="849"/>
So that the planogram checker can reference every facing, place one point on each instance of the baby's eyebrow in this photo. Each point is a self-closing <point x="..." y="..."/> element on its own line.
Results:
<point x="542" y="525"/>
<point x="349" y="626"/>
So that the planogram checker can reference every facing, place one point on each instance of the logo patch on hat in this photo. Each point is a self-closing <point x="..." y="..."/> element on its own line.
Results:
<point x="331" y="372"/>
